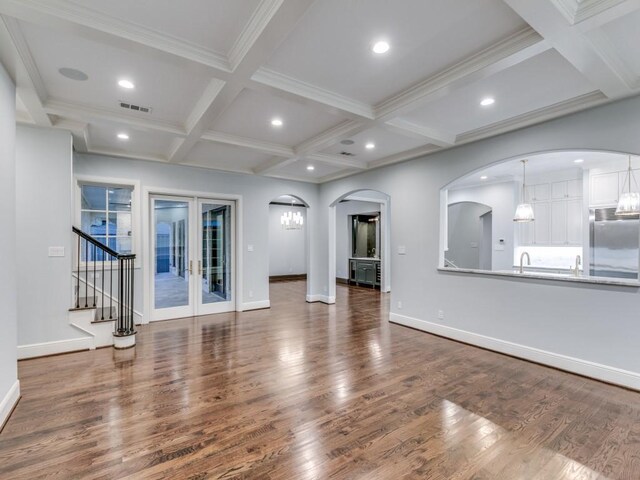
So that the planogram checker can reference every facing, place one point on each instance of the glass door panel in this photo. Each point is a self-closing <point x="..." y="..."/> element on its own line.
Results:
<point x="172" y="264"/>
<point x="215" y="266"/>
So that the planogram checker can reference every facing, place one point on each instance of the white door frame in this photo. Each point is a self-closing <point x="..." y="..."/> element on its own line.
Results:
<point x="147" y="256"/>
<point x="217" y="307"/>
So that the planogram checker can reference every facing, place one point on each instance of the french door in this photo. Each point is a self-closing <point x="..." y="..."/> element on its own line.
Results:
<point x="193" y="258"/>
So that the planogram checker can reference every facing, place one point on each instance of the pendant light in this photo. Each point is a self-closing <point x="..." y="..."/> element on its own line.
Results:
<point x="524" y="210"/>
<point x="629" y="203"/>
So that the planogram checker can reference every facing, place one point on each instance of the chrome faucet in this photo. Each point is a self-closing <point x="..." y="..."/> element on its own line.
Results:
<point x="521" y="260"/>
<point x="576" y="270"/>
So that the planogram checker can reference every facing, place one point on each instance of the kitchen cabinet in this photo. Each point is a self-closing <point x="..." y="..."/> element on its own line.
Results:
<point x="541" y="225"/>
<point x="566" y="222"/>
<point x="604" y="188"/>
<point x="364" y="271"/>
<point x="537" y="193"/>
<point x="566" y="189"/>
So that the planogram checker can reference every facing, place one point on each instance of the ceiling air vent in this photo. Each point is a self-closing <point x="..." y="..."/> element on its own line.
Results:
<point x="348" y="154"/>
<point x="137" y="108"/>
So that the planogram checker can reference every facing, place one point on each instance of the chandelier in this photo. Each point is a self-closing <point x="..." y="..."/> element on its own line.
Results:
<point x="292" y="221"/>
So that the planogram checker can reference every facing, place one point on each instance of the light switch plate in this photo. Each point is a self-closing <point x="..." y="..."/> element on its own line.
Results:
<point x="249" y="248"/>
<point x="499" y="248"/>
<point x="402" y="250"/>
<point x="56" y="251"/>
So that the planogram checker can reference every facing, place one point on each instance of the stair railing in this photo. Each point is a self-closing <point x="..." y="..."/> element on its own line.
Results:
<point x="91" y="257"/>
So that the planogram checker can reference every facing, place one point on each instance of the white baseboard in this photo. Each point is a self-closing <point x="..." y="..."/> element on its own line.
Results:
<point x="245" y="307"/>
<point x="598" y="371"/>
<point x="321" y="298"/>
<point x="8" y="402"/>
<point x="50" y="348"/>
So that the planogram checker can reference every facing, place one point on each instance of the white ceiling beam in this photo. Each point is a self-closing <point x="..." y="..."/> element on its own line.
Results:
<point x="406" y="155"/>
<point x="273" y="164"/>
<point x="572" y="44"/>
<point x="283" y="85"/>
<point x="264" y="147"/>
<point x="29" y="84"/>
<point x="87" y="22"/>
<point x="436" y="137"/>
<point x="330" y="137"/>
<point x="79" y="131"/>
<point x="505" y="54"/>
<point x="264" y="43"/>
<point x="614" y="9"/>
<point x="139" y="156"/>
<point x="337" y="160"/>
<point x="87" y="113"/>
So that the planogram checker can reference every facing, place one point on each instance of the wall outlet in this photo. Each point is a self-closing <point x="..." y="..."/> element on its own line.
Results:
<point x="250" y="293"/>
<point x="56" y="251"/>
<point x="399" y="305"/>
<point x="440" y="314"/>
<point x="250" y="248"/>
<point x="402" y="250"/>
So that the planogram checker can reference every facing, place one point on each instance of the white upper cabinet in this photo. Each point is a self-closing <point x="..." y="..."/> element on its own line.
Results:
<point x="559" y="223"/>
<point x="566" y="189"/>
<point x="574" y="222"/>
<point x="537" y="193"/>
<point x="541" y="227"/>
<point x="604" y="189"/>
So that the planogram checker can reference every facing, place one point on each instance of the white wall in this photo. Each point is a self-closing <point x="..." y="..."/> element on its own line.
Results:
<point x="502" y="198"/>
<point x="343" y="231"/>
<point x="287" y="248"/>
<point x="44" y="191"/>
<point x="257" y="192"/>
<point x="465" y="233"/>
<point x="9" y="385"/>
<point x="586" y="328"/>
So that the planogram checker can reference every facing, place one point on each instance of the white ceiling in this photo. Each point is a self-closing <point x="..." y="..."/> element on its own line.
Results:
<point x="216" y="72"/>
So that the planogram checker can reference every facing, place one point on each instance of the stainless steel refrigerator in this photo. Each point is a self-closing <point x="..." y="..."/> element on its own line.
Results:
<point x="615" y="243"/>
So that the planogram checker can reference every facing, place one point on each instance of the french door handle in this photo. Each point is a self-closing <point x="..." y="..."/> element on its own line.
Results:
<point x="190" y="267"/>
<point x="199" y="267"/>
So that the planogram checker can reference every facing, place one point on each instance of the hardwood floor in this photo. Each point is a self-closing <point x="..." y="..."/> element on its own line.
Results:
<point x="306" y="391"/>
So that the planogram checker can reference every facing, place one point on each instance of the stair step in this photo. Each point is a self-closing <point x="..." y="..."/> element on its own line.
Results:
<point x="106" y="320"/>
<point x="106" y="312"/>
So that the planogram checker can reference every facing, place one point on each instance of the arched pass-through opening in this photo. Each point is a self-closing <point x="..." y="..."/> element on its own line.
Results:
<point x="289" y="241"/>
<point x="359" y="240"/>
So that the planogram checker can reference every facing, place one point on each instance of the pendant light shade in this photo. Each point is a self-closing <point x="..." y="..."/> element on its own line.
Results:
<point x="629" y="202"/>
<point x="524" y="210"/>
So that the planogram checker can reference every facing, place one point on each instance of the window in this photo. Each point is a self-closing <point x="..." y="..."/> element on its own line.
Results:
<point x="105" y="214"/>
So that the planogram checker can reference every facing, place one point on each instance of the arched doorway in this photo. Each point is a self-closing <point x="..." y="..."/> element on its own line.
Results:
<point x="289" y="243"/>
<point x="359" y="241"/>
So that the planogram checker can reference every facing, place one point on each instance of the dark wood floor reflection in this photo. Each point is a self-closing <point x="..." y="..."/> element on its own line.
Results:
<point x="306" y="391"/>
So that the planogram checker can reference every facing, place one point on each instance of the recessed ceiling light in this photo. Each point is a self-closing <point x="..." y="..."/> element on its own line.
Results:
<point x="276" y="122"/>
<point x="370" y="146"/>
<point x="483" y="177"/>
<point x="123" y="136"/>
<point x="73" y="74"/>
<point x="578" y="160"/>
<point x="487" y="101"/>
<point x="311" y="168"/>
<point x="380" y="47"/>
<point x="128" y="84"/>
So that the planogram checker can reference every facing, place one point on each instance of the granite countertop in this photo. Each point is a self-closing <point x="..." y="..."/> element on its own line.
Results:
<point x="547" y="276"/>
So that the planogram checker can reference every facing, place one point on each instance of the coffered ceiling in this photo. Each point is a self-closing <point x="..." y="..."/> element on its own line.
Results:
<point x="214" y="74"/>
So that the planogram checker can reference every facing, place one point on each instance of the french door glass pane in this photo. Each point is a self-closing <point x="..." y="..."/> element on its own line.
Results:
<point x="215" y="275"/>
<point x="171" y="256"/>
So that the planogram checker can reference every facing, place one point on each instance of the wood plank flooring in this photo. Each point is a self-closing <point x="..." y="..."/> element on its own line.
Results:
<point x="309" y="391"/>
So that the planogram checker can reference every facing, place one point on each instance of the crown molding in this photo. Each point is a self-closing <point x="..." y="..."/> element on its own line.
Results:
<point x="601" y="43"/>
<point x="136" y="156"/>
<point x="337" y="160"/>
<point x="211" y="92"/>
<point x="86" y="112"/>
<point x="273" y="164"/>
<point x="406" y="155"/>
<point x="536" y="116"/>
<point x="329" y="137"/>
<point x="576" y="11"/>
<point x="510" y="51"/>
<point x="336" y="176"/>
<point x="259" y="20"/>
<point x="265" y="147"/>
<point x="295" y="179"/>
<point x="76" y="14"/>
<point x="437" y="137"/>
<point x="280" y="81"/>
